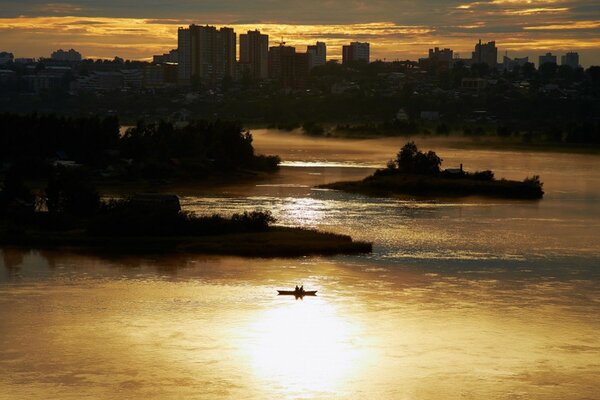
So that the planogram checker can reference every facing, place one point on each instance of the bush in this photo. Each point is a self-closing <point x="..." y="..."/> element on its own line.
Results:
<point x="483" y="175"/>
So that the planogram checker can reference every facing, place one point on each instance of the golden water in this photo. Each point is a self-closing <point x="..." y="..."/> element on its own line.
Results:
<point x="461" y="299"/>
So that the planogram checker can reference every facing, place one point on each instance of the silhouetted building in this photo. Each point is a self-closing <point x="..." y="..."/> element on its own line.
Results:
<point x="184" y="56"/>
<point x="317" y="54"/>
<point x="509" y="64"/>
<point x="485" y="53"/>
<point x="441" y="57"/>
<point x="355" y="51"/>
<point x="101" y="81"/>
<point x="291" y="69"/>
<point x="170" y="57"/>
<point x="132" y="78"/>
<point x="160" y="75"/>
<point x="6" y="57"/>
<point x="302" y="68"/>
<point x="70" y="55"/>
<point x="475" y="84"/>
<point x="8" y="79"/>
<point x="254" y="54"/>
<point x="548" y="58"/>
<point x="206" y="55"/>
<point x="571" y="59"/>
<point x="24" y="60"/>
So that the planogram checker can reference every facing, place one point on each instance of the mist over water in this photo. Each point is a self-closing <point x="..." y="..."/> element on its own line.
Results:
<point x="461" y="298"/>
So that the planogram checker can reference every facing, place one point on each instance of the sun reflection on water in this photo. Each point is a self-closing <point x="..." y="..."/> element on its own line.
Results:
<point x="304" y="347"/>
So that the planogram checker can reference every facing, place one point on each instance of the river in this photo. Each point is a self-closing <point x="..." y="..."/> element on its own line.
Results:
<point x="460" y="299"/>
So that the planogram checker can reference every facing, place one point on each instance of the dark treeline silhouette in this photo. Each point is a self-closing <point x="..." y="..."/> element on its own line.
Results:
<point x="33" y="138"/>
<point x="200" y="146"/>
<point x="34" y="143"/>
<point x="70" y="201"/>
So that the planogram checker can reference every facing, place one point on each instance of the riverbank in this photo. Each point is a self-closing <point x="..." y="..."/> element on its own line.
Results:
<point x="274" y="242"/>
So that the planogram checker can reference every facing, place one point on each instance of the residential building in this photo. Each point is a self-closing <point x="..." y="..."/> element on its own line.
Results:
<point x="509" y="64"/>
<point x="170" y="57"/>
<point x="485" y="53"/>
<point x="548" y="58"/>
<point x="205" y="54"/>
<point x="291" y="69"/>
<point x="254" y="54"/>
<point x="571" y="59"/>
<point x="317" y="54"/>
<point x="101" y="81"/>
<point x="184" y="56"/>
<point x="6" y="57"/>
<point x="356" y="51"/>
<point x="441" y="57"/>
<point x="8" y="79"/>
<point x="132" y="78"/>
<point x="160" y="75"/>
<point x="281" y="64"/>
<point x="24" y="60"/>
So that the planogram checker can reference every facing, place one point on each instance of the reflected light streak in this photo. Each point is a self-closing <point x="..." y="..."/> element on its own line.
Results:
<point x="305" y="211"/>
<point x="304" y="346"/>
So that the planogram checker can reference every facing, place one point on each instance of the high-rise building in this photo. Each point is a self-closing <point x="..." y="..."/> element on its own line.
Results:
<point x="548" y="58"/>
<point x="70" y="55"/>
<point x="281" y="64"/>
<point x="184" y="56"/>
<point x="509" y="64"/>
<point x="355" y="51"/>
<point x="571" y="59"/>
<point x="228" y="46"/>
<point x="206" y="55"/>
<point x="485" y="53"/>
<point x="254" y="54"/>
<point x="291" y="69"/>
<point x="317" y="54"/>
<point x="441" y="57"/>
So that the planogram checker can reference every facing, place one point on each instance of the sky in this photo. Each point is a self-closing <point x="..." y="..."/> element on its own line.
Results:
<point x="396" y="29"/>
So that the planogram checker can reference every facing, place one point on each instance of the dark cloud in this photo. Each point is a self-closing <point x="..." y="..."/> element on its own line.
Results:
<point x="410" y="25"/>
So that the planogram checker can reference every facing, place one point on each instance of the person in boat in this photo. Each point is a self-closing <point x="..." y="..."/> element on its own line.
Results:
<point x="297" y="289"/>
<point x="302" y="289"/>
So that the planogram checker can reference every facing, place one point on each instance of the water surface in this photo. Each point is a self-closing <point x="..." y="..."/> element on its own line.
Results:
<point x="461" y="298"/>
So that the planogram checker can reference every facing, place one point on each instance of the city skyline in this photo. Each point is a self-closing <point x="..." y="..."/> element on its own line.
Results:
<point x="396" y="30"/>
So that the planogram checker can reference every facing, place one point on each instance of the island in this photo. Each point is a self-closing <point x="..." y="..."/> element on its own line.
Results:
<point x="416" y="173"/>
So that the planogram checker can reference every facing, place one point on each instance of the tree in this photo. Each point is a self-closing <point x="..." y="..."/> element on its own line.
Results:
<point x="71" y="192"/>
<point x="411" y="160"/>
<point x="405" y="158"/>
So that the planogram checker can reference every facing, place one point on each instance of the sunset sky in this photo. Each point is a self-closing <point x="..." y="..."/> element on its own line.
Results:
<point x="397" y="29"/>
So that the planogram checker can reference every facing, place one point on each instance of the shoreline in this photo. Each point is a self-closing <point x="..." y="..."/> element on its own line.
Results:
<point x="274" y="242"/>
<point x="438" y="187"/>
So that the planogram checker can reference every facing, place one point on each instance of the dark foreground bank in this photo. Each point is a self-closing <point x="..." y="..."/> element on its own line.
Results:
<point x="274" y="242"/>
<point x="74" y="216"/>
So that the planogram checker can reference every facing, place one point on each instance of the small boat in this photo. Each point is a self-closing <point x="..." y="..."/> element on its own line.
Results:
<point x="298" y="293"/>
